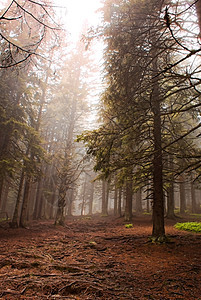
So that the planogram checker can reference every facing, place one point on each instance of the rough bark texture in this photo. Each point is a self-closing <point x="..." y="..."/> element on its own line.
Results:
<point x="129" y="199"/>
<point x="60" y="218"/>
<point x="158" y="199"/>
<point x="139" y="201"/>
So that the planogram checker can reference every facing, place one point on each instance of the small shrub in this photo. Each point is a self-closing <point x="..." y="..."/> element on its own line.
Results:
<point x="189" y="226"/>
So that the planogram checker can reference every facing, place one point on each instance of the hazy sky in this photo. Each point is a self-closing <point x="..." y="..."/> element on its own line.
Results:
<point x="79" y="11"/>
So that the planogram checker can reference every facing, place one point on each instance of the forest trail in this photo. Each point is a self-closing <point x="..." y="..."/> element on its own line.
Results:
<point x="98" y="258"/>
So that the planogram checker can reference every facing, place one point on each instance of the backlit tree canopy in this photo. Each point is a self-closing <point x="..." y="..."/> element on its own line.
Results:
<point x="152" y="97"/>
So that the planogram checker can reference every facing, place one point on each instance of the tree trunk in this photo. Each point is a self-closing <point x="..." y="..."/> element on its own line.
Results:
<point x="25" y="202"/>
<point x="104" y="198"/>
<point x="115" y="198"/>
<point x="182" y="196"/>
<point x="139" y="201"/>
<point x="158" y="231"/>
<point x="129" y="199"/>
<point x="84" y="196"/>
<point x="15" y="220"/>
<point x="119" y="202"/>
<point x="91" y="199"/>
<point x="60" y="218"/>
<point x="4" y="195"/>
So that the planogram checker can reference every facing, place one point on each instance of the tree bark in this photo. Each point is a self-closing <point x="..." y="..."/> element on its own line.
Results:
<point x="129" y="201"/>
<point x="119" y="202"/>
<point x="15" y="220"/>
<point x="84" y="196"/>
<point x="158" y="231"/>
<point x="139" y="201"/>
<point x="60" y="218"/>
<point x="25" y="201"/>
<point x="182" y="195"/>
<point x="115" y="198"/>
<point x="91" y="198"/>
<point x="104" y="198"/>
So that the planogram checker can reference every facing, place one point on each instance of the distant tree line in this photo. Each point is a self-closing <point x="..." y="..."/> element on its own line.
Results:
<point x="42" y="109"/>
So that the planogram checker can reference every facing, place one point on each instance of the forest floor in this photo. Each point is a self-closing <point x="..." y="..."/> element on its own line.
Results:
<point x="98" y="258"/>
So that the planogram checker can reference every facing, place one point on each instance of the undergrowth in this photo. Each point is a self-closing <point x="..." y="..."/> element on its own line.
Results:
<point x="189" y="226"/>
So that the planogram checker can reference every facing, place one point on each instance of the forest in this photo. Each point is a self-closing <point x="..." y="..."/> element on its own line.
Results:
<point x="100" y="154"/>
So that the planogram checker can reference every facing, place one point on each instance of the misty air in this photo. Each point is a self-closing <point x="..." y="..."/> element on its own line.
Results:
<point x="100" y="159"/>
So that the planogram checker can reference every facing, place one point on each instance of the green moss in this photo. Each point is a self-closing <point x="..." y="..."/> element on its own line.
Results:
<point x="189" y="226"/>
<point x="196" y="215"/>
<point x="163" y="239"/>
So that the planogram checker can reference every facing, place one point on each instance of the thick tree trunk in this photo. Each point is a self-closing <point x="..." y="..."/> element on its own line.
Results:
<point x="139" y="201"/>
<point x="129" y="201"/>
<point x="60" y="217"/>
<point x="4" y="198"/>
<point x="158" y="231"/>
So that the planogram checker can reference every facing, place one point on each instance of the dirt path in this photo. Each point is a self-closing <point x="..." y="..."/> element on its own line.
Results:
<point x="98" y="258"/>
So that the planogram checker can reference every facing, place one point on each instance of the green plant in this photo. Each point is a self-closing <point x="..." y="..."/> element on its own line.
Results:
<point x="189" y="226"/>
<point x="129" y="225"/>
